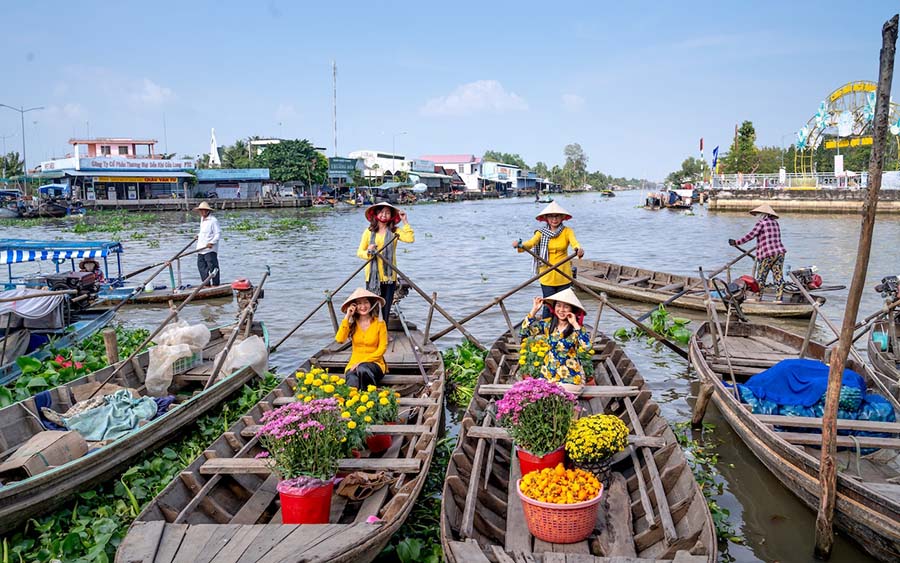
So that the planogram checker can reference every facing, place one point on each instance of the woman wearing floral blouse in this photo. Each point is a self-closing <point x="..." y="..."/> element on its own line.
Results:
<point x="563" y="333"/>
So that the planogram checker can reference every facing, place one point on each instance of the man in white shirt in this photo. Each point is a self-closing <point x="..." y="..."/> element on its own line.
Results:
<point x="208" y="239"/>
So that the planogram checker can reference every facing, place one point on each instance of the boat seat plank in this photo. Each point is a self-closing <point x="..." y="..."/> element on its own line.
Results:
<point x="518" y="538"/>
<point x="245" y="465"/>
<point x="170" y="542"/>
<point x="238" y="543"/>
<point x="142" y="547"/>
<point x="220" y="537"/>
<point x="803" y="439"/>
<point x="302" y="538"/>
<point x="498" y="433"/>
<point x="468" y="551"/>
<point x="258" y="503"/>
<point x="587" y="391"/>
<point x="557" y="551"/>
<point x="390" y="429"/>
<point x="672" y="287"/>
<point x="371" y="506"/>
<point x="842" y="423"/>
<point x="195" y="538"/>
<point x="270" y="536"/>
<point x="347" y="534"/>
<point x="634" y="281"/>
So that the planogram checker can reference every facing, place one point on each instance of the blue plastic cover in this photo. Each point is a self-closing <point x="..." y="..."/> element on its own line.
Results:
<point x="799" y="382"/>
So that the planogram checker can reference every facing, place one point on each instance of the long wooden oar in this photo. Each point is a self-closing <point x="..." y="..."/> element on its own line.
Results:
<point x="251" y="306"/>
<point x="694" y="285"/>
<point x="602" y="298"/>
<point x="415" y="345"/>
<point x="168" y="319"/>
<point x="329" y="295"/>
<point x="181" y="254"/>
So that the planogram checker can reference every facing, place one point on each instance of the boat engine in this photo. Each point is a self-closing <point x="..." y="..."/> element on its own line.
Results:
<point x="808" y="277"/>
<point x="888" y="287"/>
<point x="87" y="285"/>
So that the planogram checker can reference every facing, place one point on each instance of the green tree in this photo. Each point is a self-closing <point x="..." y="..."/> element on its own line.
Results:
<point x="692" y="170"/>
<point x="575" y="168"/>
<point x="541" y="170"/>
<point x="295" y="160"/>
<point x="743" y="156"/>
<point x="770" y="160"/>
<point x="236" y="155"/>
<point x="505" y="158"/>
<point x="11" y="165"/>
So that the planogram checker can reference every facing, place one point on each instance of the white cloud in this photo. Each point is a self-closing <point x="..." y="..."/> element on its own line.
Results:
<point x="150" y="93"/>
<point x="572" y="102"/>
<point x="285" y="111"/>
<point x="475" y="97"/>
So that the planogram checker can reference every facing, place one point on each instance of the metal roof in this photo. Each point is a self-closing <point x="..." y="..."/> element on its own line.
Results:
<point x="15" y="251"/>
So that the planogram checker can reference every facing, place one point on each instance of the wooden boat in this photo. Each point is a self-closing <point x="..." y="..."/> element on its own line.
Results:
<point x="655" y="510"/>
<point x="885" y="361"/>
<point x="650" y="286"/>
<point x="225" y="506"/>
<point x="868" y="495"/>
<point x="111" y="297"/>
<point x="607" y="193"/>
<point x="39" y="493"/>
<point x="87" y="323"/>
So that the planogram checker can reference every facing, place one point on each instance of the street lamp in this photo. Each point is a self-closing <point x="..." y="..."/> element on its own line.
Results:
<point x="22" y="111"/>
<point x="3" y="154"/>
<point x="394" y="152"/>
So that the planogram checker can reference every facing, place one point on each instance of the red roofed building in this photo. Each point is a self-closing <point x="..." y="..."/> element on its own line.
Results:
<point x="466" y="166"/>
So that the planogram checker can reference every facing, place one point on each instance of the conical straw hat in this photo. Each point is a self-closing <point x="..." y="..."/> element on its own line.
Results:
<point x="554" y="209"/>
<point x="373" y="209"/>
<point x="764" y="208"/>
<point x="359" y="294"/>
<point x="565" y="296"/>
<point x="203" y="206"/>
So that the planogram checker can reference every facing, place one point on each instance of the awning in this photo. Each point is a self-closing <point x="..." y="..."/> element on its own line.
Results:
<point x="127" y="173"/>
<point x="15" y="251"/>
<point x="386" y="186"/>
<point x="430" y="175"/>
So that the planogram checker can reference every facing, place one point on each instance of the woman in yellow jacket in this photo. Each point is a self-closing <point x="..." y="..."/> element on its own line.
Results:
<point x="383" y="219"/>
<point x="553" y="242"/>
<point x="368" y="334"/>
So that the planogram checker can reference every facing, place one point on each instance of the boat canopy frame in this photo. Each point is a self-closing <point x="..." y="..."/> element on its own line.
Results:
<point x="19" y="251"/>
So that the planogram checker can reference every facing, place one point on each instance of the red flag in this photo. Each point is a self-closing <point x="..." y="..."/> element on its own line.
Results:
<point x="701" y="144"/>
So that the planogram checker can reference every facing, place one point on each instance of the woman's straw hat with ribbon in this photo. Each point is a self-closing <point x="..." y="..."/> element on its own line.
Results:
<point x="203" y="207"/>
<point x="372" y="210"/>
<point x="764" y="208"/>
<point x="361" y="293"/>
<point x="565" y="296"/>
<point x="554" y="209"/>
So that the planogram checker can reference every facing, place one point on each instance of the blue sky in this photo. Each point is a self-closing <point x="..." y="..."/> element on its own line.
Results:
<point x="637" y="85"/>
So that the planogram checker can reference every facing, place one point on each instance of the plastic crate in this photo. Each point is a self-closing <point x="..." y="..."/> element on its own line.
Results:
<point x="182" y="365"/>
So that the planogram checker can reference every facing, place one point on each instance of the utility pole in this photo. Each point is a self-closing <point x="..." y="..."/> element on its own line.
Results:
<point x="334" y="103"/>
<point x="22" y="111"/>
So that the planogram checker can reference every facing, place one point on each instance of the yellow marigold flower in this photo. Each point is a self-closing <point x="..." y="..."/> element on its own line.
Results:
<point x="367" y="418"/>
<point x="370" y="404"/>
<point x="536" y="364"/>
<point x="397" y="395"/>
<point x="352" y="401"/>
<point x="333" y="378"/>
<point x="341" y="381"/>
<point x="344" y="439"/>
<point x="307" y="399"/>
<point x="345" y="414"/>
<point x="361" y="409"/>
<point x="364" y="398"/>
<point x="328" y="388"/>
<point x="383" y="401"/>
<point x="371" y="388"/>
<point x="351" y="424"/>
<point x="317" y="382"/>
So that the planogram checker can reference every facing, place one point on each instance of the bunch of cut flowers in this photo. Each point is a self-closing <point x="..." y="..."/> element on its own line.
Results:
<point x="531" y="356"/>
<point x="596" y="438"/>
<point x="304" y="439"/>
<point x="560" y="486"/>
<point x="537" y="414"/>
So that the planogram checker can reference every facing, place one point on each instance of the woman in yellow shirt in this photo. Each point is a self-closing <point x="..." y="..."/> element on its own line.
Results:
<point x="383" y="219"/>
<point x="368" y="334"/>
<point x="553" y="243"/>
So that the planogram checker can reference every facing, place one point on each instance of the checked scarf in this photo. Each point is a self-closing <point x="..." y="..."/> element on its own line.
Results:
<point x="544" y="245"/>
<point x="373" y="284"/>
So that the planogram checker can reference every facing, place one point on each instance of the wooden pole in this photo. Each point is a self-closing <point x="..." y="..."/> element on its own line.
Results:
<point x="827" y="468"/>
<point x="809" y="331"/>
<point x="425" y="336"/>
<point x="867" y="320"/>
<point x="112" y="345"/>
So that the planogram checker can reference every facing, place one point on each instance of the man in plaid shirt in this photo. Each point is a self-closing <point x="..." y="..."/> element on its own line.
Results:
<point x="769" y="250"/>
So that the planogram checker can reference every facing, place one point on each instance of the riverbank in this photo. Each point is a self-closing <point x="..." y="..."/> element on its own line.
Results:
<point x="802" y="200"/>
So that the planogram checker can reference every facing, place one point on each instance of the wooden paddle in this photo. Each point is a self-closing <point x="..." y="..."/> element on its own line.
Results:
<point x="694" y="285"/>
<point x="181" y="254"/>
<point x="602" y="298"/>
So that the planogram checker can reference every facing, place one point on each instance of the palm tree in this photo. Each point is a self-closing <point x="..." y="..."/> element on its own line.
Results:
<point x="11" y="165"/>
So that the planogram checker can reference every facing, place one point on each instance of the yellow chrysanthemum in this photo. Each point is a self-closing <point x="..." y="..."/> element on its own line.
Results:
<point x="317" y="383"/>
<point x="371" y="388"/>
<point x="345" y="414"/>
<point x="364" y="398"/>
<point x="361" y="409"/>
<point x="383" y="401"/>
<point x="367" y="418"/>
<point x="328" y="388"/>
<point x="351" y="424"/>
<point x="370" y="404"/>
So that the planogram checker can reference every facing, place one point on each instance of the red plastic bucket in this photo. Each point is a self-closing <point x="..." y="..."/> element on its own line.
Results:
<point x="529" y="462"/>
<point x="310" y="507"/>
<point x="377" y="443"/>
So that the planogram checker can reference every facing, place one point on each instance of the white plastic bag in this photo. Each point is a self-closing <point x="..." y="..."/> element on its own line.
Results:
<point x="252" y="351"/>
<point x="174" y="342"/>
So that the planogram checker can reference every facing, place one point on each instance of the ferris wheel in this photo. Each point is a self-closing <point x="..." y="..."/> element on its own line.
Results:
<point x="844" y="119"/>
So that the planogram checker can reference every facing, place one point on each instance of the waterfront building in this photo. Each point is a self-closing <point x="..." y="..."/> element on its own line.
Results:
<point x="340" y="170"/>
<point x="231" y="183"/>
<point x="108" y="168"/>
<point x="457" y="184"/>
<point x="423" y="171"/>
<point x="380" y="164"/>
<point x="467" y="167"/>
<point x="499" y="177"/>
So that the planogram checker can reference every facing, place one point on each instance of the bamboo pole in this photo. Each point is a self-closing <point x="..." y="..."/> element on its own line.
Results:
<point x="828" y="469"/>
<point x="867" y="320"/>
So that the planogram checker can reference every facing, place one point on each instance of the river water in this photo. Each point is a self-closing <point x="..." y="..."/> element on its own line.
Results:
<point x="463" y="252"/>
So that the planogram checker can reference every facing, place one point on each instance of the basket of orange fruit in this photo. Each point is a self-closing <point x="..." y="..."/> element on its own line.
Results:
<point x="560" y="504"/>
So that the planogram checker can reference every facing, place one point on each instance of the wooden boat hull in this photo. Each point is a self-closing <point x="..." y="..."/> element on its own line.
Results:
<point x="225" y="526"/>
<point x="884" y="361"/>
<point x="490" y="521"/>
<point x="112" y="298"/>
<point x="592" y="274"/>
<point x="47" y="490"/>
<point x="867" y="516"/>
<point x="88" y="324"/>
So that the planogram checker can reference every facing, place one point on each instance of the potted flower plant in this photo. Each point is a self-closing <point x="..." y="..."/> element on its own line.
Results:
<point x="537" y="414"/>
<point x="383" y="408"/>
<point x="593" y="440"/>
<point x="319" y="384"/>
<point x="531" y="356"/>
<point x="560" y="505"/>
<point x="304" y="441"/>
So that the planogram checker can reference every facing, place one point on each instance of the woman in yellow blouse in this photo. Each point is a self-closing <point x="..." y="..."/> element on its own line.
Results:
<point x="383" y="219"/>
<point x="368" y="334"/>
<point x="553" y="243"/>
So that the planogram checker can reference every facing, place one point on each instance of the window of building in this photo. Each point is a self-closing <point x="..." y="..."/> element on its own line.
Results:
<point x="462" y="168"/>
<point x="105" y="150"/>
<point x="123" y="151"/>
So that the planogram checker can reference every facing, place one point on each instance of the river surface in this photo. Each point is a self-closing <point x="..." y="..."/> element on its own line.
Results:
<point x="463" y="252"/>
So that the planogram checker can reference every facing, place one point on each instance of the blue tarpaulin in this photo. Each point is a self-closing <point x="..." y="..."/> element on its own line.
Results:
<point x="798" y="382"/>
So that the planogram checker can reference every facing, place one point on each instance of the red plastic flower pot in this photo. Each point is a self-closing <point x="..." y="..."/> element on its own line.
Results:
<point x="529" y="462"/>
<point x="310" y="504"/>
<point x="377" y="443"/>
